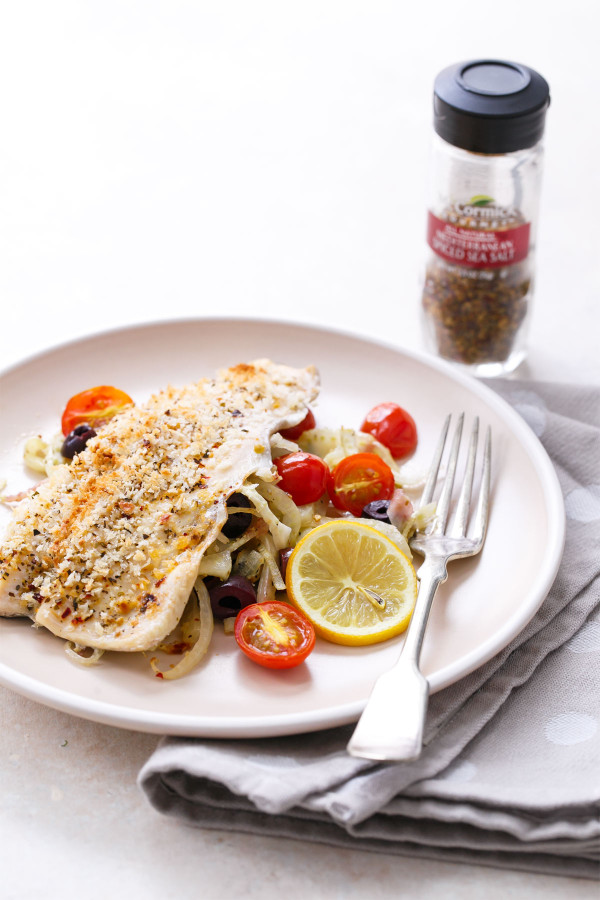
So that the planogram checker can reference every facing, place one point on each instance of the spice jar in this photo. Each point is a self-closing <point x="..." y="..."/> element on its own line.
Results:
<point x="482" y="220"/>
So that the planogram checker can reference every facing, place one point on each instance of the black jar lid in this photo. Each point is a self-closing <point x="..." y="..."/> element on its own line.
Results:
<point x="490" y="106"/>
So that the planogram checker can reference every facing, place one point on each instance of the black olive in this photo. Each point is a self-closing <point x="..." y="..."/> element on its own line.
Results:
<point x="228" y="597"/>
<point x="238" y="522"/>
<point x="76" y="440"/>
<point x="378" y="510"/>
<point x="284" y="556"/>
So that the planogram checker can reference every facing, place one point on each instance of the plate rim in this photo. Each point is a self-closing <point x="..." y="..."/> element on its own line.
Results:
<point x="295" y="723"/>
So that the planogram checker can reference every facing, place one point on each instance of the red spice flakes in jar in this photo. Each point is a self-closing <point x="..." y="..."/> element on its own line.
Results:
<point x="476" y="307"/>
<point x="489" y="119"/>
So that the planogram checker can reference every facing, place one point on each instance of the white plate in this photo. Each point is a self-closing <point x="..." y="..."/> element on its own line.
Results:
<point x="485" y="603"/>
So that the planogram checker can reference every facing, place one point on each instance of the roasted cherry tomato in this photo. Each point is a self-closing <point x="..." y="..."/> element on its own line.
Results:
<point x="359" y="479"/>
<point x="94" y="407"/>
<point x="393" y="427"/>
<point x="274" y="634"/>
<point x="303" y="476"/>
<point x="292" y="434"/>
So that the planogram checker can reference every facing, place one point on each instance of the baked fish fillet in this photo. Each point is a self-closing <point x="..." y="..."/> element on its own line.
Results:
<point x="106" y="551"/>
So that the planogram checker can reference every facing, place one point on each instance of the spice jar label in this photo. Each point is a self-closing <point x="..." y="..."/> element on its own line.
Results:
<point x="477" y="249"/>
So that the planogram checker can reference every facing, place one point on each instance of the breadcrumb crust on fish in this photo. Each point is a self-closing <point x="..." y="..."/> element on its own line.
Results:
<point x="106" y="551"/>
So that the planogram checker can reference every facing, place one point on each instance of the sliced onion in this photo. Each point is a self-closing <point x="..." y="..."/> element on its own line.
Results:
<point x="400" y="509"/>
<point x="279" y="443"/>
<point x="290" y="513"/>
<point x="264" y="589"/>
<point x="281" y="533"/>
<point x="268" y="551"/>
<point x="217" y="564"/>
<point x="420" y="520"/>
<point x="43" y="456"/>
<point x="252" y="532"/>
<point x="229" y="624"/>
<point x="248" y="563"/>
<point x="200" y="631"/>
<point x="74" y="652"/>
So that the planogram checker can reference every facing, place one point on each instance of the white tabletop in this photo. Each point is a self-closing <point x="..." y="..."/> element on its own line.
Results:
<point x="167" y="160"/>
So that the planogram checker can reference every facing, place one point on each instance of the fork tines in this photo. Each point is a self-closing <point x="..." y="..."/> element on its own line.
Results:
<point x="461" y="516"/>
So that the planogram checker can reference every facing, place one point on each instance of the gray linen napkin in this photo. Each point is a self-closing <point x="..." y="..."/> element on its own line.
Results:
<point x="510" y="772"/>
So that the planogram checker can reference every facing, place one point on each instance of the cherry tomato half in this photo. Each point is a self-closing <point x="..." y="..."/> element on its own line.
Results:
<point x="359" y="479"/>
<point x="393" y="427"/>
<point x="293" y="433"/>
<point x="274" y="634"/>
<point x="94" y="407"/>
<point x="303" y="476"/>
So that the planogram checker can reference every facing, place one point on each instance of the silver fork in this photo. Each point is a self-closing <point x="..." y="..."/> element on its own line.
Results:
<point x="391" y="725"/>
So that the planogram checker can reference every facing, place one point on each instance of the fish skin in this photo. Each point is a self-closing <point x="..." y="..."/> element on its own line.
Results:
<point x="106" y="551"/>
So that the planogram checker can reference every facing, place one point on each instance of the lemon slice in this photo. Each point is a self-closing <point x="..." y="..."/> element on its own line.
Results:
<point x="352" y="582"/>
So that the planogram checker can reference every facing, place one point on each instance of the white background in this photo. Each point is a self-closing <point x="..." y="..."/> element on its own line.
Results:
<point x="165" y="160"/>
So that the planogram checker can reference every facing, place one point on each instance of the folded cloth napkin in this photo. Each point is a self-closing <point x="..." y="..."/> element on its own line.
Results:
<point x="510" y="772"/>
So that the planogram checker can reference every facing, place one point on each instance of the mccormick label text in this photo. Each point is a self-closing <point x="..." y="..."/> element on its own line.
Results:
<point x="477" y="249"/>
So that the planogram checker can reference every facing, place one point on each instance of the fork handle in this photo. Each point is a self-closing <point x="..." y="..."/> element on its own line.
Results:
<point x="432" y="573"/>
<point x="391" y="725"/>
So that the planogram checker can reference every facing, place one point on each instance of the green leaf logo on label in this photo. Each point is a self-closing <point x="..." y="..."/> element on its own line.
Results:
<point x="481" y="200"/>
